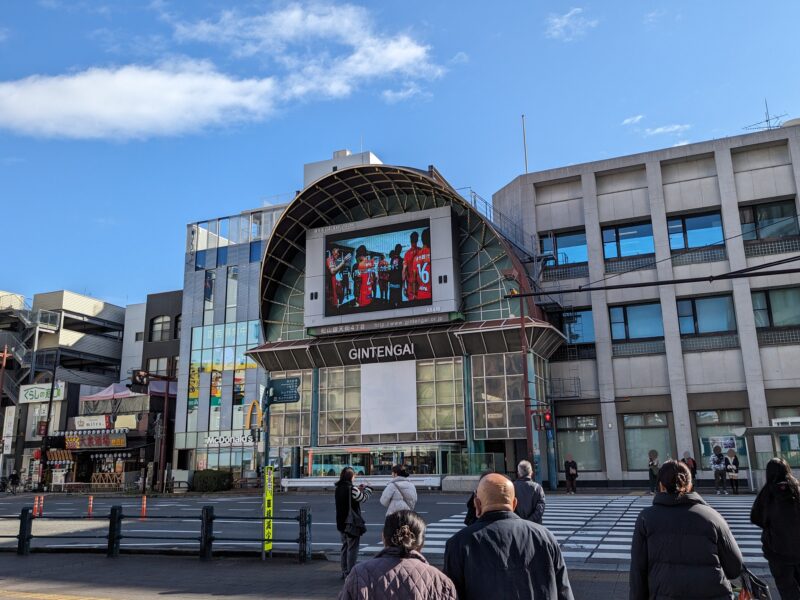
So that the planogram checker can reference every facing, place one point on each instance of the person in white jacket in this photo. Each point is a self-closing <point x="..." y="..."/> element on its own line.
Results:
<point x="400" y="494"/>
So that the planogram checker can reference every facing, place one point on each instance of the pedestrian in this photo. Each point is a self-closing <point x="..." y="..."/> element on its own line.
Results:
<point x="400" y="494"/>
<point x="718" y="467"/>
<point x="529" y="494"/>
<point x="652" y="470"/>
<point x="503" y="556"/>
<point x="682" y="548"/>
<point x="471" y="516"/>
<point x="348" y="499"/>
<point x="732" y="470"/>
<point x="399" y="571"/>
<point x="777" y="512"/>
<point x="691" y="463"/>
<point x="571" y="474"/>
<point x="13" y="481"/>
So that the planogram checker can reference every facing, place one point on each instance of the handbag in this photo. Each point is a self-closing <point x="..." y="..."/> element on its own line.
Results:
<point x="409" y="504"/>
<point x="753" y="588"/>
<point x="354" y="524"/>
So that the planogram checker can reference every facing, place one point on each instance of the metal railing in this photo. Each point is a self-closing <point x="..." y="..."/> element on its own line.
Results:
<point x="115" y="534"/>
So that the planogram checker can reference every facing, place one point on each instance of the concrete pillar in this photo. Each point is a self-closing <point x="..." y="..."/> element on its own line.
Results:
<point x="794" y="153"/>
<point x="669" y="311"/>
<point x="743" y="303"/>
<point x="602" y="331"/>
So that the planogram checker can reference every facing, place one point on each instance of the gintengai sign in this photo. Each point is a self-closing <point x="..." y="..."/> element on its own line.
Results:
<point x="381" y="352"/>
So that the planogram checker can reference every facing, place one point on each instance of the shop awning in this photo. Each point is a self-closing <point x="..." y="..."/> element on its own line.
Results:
<point x="116" y="391"/>
<point x="478" y="337"/>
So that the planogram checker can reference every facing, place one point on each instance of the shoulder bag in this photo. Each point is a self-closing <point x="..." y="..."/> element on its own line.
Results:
<point x="354" y="525"/>
<point x="753" y="588"/>
<point x="409" y="504"/>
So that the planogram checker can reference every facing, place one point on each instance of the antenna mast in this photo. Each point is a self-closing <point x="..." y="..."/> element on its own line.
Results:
<point x="769" y="122"/>
<point x="524" y="144"/>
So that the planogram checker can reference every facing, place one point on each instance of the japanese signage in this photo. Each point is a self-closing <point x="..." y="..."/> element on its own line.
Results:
<point x="399" y="323"/>
<point x="94" y="422"/>
<point x="40" y="392"/>
<point x="284" y="390"/>
<point x="268" y="508"/>
<point x="8" y="428"/>
<point x="105" y="439"/>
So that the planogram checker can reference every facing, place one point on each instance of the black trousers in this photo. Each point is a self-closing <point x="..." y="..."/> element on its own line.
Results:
<point x="787" y="580"/>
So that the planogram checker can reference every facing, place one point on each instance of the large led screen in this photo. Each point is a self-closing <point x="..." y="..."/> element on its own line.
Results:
<point x="380" y="268"/>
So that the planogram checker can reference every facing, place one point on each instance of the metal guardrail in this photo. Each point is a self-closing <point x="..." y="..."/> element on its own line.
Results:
<point x="116" y="535"/>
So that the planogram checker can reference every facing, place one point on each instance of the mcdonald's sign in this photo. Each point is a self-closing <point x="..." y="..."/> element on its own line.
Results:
<point x="254" y="406"/>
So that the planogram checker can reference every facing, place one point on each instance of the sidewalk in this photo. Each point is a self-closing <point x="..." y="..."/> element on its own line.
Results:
<point x="92" y="577"/>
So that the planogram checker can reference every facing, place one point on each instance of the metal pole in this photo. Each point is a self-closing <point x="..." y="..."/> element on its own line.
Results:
<point x="163" y="450"/>
<point x="525" y="380"/>
<point x="45" y="438"/>
<point x="525" y="143"/>
<point x="266" y="402"/>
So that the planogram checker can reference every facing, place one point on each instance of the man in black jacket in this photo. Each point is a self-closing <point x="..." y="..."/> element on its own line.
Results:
<point x="502" y="555"/>
<point x="529" y="494"/>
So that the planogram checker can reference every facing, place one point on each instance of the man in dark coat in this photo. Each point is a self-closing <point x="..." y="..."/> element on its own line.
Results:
<point x="682" y="548"/>
<point x="529" y="494"/>
<point x="503" y="556"/>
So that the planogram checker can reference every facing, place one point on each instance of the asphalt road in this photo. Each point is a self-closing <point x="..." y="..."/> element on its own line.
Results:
<point x="175" y="520"/>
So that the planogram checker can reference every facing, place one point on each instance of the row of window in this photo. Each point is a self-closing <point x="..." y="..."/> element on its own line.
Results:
<point x="762" y="221"/>
<point x="227" y="231"/>
<point x="218" y="257"/>
<point x="696" y="316"/>
<point x="161" y="329"/>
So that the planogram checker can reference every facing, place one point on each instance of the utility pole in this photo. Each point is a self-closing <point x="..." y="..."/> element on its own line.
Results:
<point x="4" y="356"/>
<point x="45" y="436"/>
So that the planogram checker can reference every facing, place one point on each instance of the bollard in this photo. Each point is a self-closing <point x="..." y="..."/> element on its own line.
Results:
<point x="114" y="531"/>
<point x="35" y="506"/>
<point x="25" y="528"/>
<point x="206" y="532"/>
<point x="143" y="516"/>
<point x="41" y="505"/>
<point x="305" y="534"/>
<point x="91" y="506"/>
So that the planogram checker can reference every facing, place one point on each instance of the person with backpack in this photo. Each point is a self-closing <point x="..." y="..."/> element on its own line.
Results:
<point x="400" y="494"/>
<point x="682" y="548"/>
<point x="777" y="512"/>
<point x="349" y="521"/>
<point x="399" y="571"/>
<point x="529" y="494"/>
<point x="718" y="466"/>
<point x="691" y="463"/>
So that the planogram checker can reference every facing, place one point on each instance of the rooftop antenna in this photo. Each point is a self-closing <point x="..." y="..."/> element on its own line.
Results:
<point x="524" y="144"/>
<point x="769" y="122"/>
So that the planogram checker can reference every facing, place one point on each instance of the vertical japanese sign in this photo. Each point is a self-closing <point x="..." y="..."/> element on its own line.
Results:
<point x="8" y="428"/>
<point x="268" y="508"/>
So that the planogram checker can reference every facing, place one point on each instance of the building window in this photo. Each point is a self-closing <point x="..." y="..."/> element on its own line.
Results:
<point x="215" y="401"/>
<point x="440" y="399"/>
<point x="706" y="315"/>
<point x="578" y="326"/>
<point x="158" y="366"/>
<point x="222" y="256"/>
<point x="199" y="260"/>
<point x="695" y="231"/>
<point x="140" y="336"/>
<point x="231" y="294"/>
<point x="160" y="328"/>
<point x="769" y="220"/>
<point x="636" y="322"/>
<point x="178" y="327"/>
<point x="340" y="405"/>
<point x="290" y="424"/>
<point x="566" y="248"/>
<point x="239" y="408"/>
<point x="621" y="241"/>
<point x="777" y="308"/>
<point x="715" y="428"/>
<point x="645" y="432"/>
<point x="208" y="297"/>
<point x="580" y="437"/>
<point x="255" y="251"/>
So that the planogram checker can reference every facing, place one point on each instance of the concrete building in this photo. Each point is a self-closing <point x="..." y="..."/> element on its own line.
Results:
<point x="132" y="340"/>
<point x="680" y="366"/>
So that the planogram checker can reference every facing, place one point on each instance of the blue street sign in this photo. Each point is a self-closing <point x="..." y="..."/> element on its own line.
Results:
<point x="284" y="391"/>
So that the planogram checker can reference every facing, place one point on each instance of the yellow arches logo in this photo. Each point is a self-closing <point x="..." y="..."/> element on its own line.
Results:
<point x="254" y="407"/>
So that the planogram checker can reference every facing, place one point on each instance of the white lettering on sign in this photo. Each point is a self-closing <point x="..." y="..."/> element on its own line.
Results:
<point x="229" y="440"/>
<point x="373" y="352"/>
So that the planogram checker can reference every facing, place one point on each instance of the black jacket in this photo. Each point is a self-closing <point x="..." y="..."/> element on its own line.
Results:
<point x="778" y="514"/>
<point x="568" y="464"/>
<point x="682" y="548"/>
<point x="530" y="499"/>
<point x="347" y="495"/>
<point x="503" y="556"/>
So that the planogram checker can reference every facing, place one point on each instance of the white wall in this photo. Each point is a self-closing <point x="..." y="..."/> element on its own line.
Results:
<point x="131" y="349"/>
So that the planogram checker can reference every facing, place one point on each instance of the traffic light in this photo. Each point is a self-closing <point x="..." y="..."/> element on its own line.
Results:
<point x="548" y="420"/>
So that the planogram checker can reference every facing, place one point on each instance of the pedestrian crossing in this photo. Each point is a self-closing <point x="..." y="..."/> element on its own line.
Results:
<point x="600" y="528"/>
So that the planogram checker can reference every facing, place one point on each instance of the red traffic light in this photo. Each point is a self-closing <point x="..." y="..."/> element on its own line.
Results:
<point x="548" y="417"/>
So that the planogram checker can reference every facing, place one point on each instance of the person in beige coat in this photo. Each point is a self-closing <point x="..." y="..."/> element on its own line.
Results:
<point x="400" y="494"/>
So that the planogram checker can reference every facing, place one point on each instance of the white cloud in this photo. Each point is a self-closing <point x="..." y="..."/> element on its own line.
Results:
<point x="132" y="101"/>
<point x="633" y="120"/>
<point x="667" y="129"/>
<point x="569" y="26"/>
<point x="312" y="52"/>
<point x="653" y="16"/>
<point x="459" y="58"/>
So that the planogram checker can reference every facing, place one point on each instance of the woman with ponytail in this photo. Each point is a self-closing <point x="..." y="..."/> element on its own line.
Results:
<point x="777" y="512"/>
<point x="399" y="571"/>
<point x="682" y="548"/>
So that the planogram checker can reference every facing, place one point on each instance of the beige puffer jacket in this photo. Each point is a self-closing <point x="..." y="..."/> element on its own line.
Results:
<point x="400" y="494"/>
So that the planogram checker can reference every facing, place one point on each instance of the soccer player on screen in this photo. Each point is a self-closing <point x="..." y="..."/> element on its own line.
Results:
<point x="383" y="277"/>
<point x="396" y="276"/>
<point x="422" y="267"/>
<point x="335" y="264"/>
<point x="409" y="280"/>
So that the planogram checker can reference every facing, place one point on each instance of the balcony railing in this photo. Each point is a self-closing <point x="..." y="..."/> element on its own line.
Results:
<point x="624" y="349"/>
<point x="631" y="263"/>
<point x="785" y="245"/>
<point x="699" y="255"/>
<point x="779" y="336"/>
<point x="559" y="272"/>
<point x="709" y="343"/>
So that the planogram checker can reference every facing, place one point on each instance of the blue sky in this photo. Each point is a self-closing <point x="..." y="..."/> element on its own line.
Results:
<point x="122" y="122"/>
